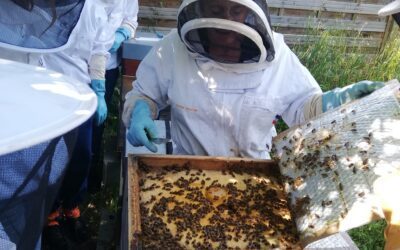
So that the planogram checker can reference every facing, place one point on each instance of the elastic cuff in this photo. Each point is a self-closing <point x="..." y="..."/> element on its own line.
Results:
<point x="97" y="67"/>
<point x="313" y="107"/>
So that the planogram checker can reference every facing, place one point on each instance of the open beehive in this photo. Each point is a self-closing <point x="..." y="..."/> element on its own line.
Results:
<point x="324" y="174"/>
<point x="201" y="202"/>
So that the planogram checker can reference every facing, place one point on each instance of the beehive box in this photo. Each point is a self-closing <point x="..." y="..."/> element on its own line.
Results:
<point x="187" y="202"/>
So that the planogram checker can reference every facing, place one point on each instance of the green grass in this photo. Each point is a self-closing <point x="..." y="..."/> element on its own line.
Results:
<point x="340" y="65"/>
<point x="337" y="65"/>
<point x="369" y="237"/>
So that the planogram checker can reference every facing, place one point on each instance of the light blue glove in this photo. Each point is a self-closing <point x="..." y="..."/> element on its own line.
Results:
<point x="142" y="127"/>
<point x="336" y="97"/>
<point x="99" y="87"/>
<point x="121" y="35"/>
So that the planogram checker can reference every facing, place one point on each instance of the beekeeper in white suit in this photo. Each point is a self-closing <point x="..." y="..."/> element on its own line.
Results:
<point x="227" y="77"/>
<point x="85" y="60"/>
<point x="122" y="24"/>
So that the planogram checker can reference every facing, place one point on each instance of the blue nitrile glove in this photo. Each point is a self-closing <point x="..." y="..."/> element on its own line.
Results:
<point x="121" y="35"/>
<point x="142" y="127"/>
<point x="336" y="97"/>
<point x="99" y="87"/>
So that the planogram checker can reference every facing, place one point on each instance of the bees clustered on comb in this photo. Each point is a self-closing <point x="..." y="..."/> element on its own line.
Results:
<point x="197" y="210"/>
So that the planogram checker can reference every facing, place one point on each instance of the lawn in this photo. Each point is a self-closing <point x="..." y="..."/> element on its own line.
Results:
<point x="336" y="65"/>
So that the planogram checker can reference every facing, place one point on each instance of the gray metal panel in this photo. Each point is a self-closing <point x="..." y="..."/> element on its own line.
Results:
<point x="138" y="47"/>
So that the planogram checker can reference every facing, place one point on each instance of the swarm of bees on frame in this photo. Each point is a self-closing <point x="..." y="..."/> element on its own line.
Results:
<point x="321" y="153"/>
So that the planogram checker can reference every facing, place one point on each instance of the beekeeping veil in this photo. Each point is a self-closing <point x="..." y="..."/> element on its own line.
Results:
<point x="38" y="25"/>
<point x="41" y="109"/>
<point x="227" y="31"/>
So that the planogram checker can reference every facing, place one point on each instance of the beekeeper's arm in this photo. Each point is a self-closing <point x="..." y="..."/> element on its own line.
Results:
<point x="298" y="88"/>
<point x="128" y="26"/>
<point x="305" y="97"/>
<point x="97" y="66"/>
<point x="149" y="95"/>
<point x="321" y="103"/>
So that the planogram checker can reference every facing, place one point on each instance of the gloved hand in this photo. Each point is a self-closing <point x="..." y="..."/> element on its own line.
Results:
<point x="142" y="127"/>
<point x="336" y="97"/>
<point x="99" y="87"/>
<point x="121" y="35"/>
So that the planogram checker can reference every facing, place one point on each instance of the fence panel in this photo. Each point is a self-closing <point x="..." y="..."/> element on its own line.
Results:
<point x="293" y="17"/>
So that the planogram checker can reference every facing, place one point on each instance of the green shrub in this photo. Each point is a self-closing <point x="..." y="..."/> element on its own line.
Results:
<point x="334" y="63"/>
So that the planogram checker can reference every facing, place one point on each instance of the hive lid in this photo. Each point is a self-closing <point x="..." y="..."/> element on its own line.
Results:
<point x="37" y="105"/>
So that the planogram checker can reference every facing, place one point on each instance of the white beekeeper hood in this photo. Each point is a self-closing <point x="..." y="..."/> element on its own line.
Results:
<point x="229" y="32"/>
<point x="37" y="105"/>
<point x="390" y="9"/>
<point x="38" y="25"/>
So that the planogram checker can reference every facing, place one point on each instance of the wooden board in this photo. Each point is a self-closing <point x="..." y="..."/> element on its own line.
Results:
<point x="330" y="163"/>
<point x="154" y="162"/>
<point x="333" y="6"/>
<point x="282" y="21"/>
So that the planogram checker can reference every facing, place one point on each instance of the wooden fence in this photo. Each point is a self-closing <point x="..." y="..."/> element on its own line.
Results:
<point x="293" y="17"/>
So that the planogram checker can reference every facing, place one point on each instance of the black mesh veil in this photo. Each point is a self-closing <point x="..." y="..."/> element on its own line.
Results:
<point x="227" y="31"/>
<point x="396" y="18"/>
<point x="38" y="24"/>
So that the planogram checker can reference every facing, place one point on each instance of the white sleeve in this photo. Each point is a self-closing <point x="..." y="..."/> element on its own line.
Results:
<point x="303" y="86"/>
<point x="313" y="107"/>
<point x="130" y="21"/>
<point x="154" y="76"/>
<point x="101" y="44"/>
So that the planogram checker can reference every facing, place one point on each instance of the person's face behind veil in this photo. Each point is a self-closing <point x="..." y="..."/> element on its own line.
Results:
<point x="224" y="44"/>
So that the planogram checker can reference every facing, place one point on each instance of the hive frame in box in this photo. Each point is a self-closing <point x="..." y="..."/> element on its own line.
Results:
<point x="131" y="213"/>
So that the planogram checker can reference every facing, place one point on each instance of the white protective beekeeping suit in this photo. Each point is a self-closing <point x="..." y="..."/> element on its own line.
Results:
<point x="121" y="13"/>
<point x="227" y="77"/>
<point x="87" y="56"/>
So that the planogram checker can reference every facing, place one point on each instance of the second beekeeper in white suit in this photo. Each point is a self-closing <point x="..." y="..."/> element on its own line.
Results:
<point x="227" y="77"/>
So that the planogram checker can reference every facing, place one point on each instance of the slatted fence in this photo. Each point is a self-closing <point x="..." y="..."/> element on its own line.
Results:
<point x="294" y="17"/>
